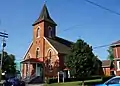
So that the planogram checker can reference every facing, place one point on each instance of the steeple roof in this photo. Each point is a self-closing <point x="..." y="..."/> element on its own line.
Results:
<point x="44" y="16"/>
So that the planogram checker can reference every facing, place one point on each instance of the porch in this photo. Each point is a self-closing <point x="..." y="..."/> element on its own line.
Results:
<point x="32" y="71"/>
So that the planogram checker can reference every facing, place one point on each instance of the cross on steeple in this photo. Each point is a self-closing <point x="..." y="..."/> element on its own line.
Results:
<point x="45" y="1"/>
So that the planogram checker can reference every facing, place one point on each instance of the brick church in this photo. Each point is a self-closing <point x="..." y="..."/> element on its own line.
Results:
<point x="45" y="55"/>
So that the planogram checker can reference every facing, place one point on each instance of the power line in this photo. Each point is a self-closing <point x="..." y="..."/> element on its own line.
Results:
<point x="101" y="46"/>
<point x="102" y="7"/>
<point x="75" y="27"/>
<point x="93" y="3"/>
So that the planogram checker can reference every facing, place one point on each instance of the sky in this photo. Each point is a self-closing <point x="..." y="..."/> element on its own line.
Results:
<point x="75" y="19"/>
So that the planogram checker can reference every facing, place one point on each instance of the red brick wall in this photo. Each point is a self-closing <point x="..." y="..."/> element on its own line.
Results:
<point x="61" y="59"/>
<point x="54" y="57"/>
<point x="44" y="46"/>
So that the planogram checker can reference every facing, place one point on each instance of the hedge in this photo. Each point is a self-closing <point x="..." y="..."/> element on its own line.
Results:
<point x="104" y="78"/>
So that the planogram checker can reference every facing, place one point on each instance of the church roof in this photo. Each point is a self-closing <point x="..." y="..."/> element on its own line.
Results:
<point x="60" y="44"/>
<point x="44" y="16"/>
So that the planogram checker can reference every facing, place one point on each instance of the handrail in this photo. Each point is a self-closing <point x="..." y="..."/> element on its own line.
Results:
<point x="30" y="78"/>
<point x="33" y="76"/>
<point x="26" y="78"/>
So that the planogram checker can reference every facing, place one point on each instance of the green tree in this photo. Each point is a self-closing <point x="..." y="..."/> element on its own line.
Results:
<point x="110" y="55"/>
<point x="111" y="58"/>
<point x="81" y="60"/>
<point x="8" y="63"/>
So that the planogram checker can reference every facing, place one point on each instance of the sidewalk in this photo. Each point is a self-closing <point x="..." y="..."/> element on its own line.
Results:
<point x="34" y="84"/>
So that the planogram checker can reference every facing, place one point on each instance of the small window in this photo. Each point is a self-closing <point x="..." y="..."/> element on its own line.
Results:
<point x="50" y="31"/>
<point x="38" y="33"/>
<point x="37" y="52"/>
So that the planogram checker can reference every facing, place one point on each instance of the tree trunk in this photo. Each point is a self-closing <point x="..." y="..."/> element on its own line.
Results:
<point x="83" y="83"/>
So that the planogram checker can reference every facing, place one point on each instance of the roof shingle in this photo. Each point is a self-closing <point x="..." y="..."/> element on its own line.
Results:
<point x="44" y="16"/>
<point x="61" y="45"/>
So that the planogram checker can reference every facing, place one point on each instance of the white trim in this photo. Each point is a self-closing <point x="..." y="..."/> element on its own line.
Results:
<point x="29" y="54"/>
<point x="38" y="28"/>
<point x="49" y="27"/>
<point x="38" y="48"/>
<point x="52" y="54"/>
<point x="118" y="59"/>
<point x="51" y="50"/>
<point x="51" y="46"/>
<point x="118" y="65"/>
<point x="27" y="50"/>
<point x="115" y="44"/>
<point x="116" y="52"/>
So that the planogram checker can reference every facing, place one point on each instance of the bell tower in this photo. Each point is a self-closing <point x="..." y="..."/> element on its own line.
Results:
<point x="44" y="26"/>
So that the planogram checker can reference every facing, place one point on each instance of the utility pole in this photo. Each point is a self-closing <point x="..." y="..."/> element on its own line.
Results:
<point x="3" y="35"/>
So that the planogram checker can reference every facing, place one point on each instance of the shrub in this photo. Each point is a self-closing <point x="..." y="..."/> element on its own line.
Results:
<point x="51" y="80"/>
<point x="89" y="78"/>
<point x="48" y="81"/>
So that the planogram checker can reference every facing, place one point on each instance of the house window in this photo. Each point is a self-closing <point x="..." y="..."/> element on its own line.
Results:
<point x="38" y="33"/>
<point x="118" y="65"/>
<point x="37" y="52"/>
<point x="50" y="31"/>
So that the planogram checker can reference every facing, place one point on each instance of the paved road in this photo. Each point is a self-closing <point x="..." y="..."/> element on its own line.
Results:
<point x="34" y="85"/>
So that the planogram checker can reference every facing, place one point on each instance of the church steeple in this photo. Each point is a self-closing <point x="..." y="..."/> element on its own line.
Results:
<point x="44" y="16"/>
<point x="44" y="26"/>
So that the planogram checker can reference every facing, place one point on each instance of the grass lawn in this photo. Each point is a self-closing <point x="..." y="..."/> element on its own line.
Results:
<point x="76" y="83"/>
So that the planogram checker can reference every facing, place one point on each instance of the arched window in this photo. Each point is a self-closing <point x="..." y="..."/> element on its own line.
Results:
<point x="38" y="33"/>
<point x="50" y="31"/>
<point x="50" y="60"/>
<point x="37" y="52"/>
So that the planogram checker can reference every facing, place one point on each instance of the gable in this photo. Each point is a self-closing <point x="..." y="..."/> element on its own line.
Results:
<point x="51" y="45"/>
<point x="25" y="56"/>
